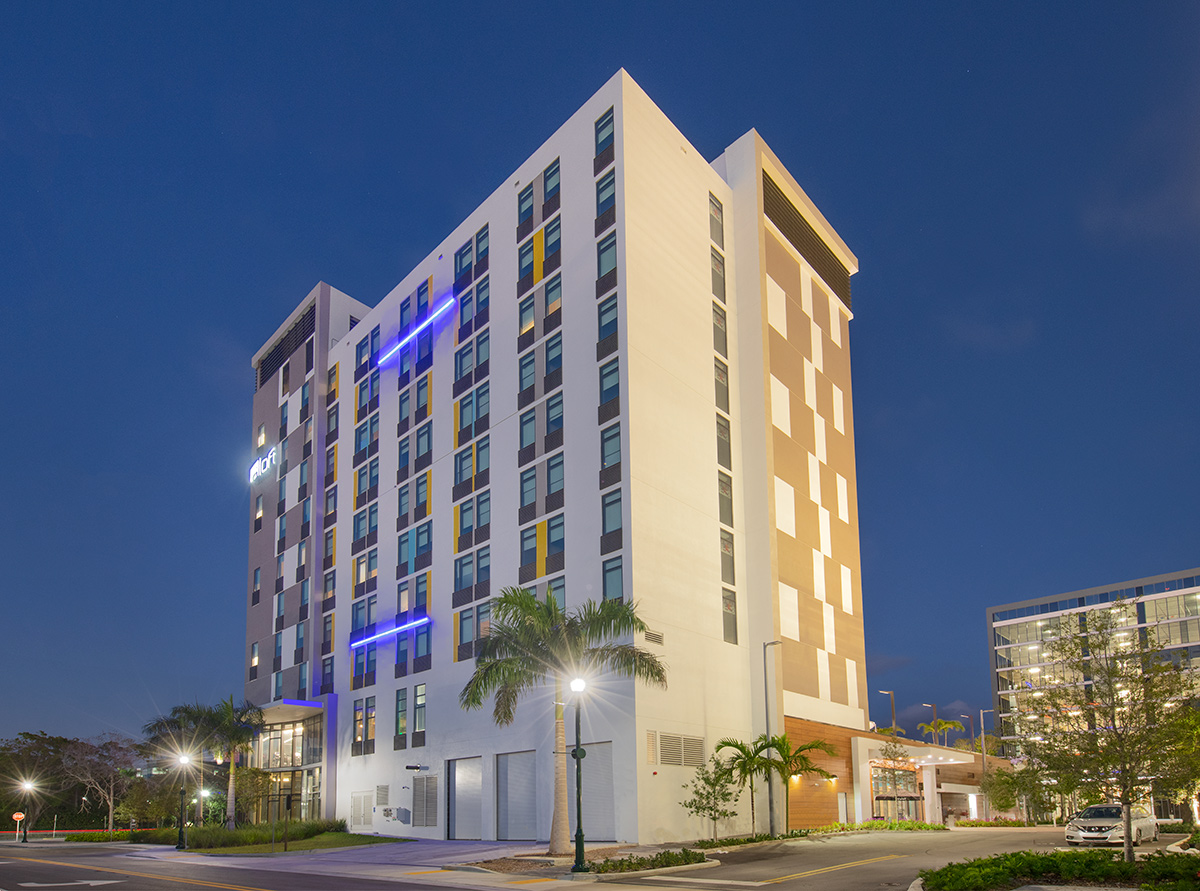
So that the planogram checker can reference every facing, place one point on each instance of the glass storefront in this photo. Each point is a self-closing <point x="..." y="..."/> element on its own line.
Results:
<point x="896" y="791"/>
<point x="292" y="754"/>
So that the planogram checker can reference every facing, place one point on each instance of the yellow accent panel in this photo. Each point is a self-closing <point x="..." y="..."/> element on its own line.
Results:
<point x="457" y="406"/>
<point x="428" y="593"/>
<point x="334" y="547"/>
<point x="456" y="527"/>
<point x="541" y="548"/>
<point x="429" y="489"/>
<point x="539" y="254"/>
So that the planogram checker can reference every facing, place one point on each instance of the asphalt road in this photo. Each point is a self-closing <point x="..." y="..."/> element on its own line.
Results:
<point x="863" y="861"/>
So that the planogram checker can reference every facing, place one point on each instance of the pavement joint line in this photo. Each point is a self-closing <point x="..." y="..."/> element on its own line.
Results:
<point x="527" y="881"/>
<point x="814" y="872"/>
<point x="739" y="882"/>
<point x="143" y="875"/>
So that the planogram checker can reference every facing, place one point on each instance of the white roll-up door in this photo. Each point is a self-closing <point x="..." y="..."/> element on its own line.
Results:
<point x="599" y="811"/>
<point x="464" y="797"/>
<point x="516" y="796"/>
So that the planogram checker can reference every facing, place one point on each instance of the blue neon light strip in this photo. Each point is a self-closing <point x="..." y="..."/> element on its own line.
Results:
<point x="415" y="623"/>
<point x="425" y="324"/>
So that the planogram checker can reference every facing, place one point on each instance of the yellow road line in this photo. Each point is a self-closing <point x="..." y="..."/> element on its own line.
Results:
<point x="814" y="872"/>
<point x="143" y="875"/>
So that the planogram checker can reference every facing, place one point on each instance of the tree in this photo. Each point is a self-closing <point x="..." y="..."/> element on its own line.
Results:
<point x="252" y="785"/>
<point x="1180" y="776"/>
<point x="149" y="801"/>
<point x="531" y="641"/>
<point x="184" y="730"/>
<point x="712" y="791"/>
<point x="35" y="758"/>
<point x="1027" y="784"/>
<point x="941" y="727"/>
<point x="893" y="753"/>
<point x="104" y="765"/>
<point x="1112" y="708"/>
<point x="796" y="761"/>
<point x="747" y="762"/>
<point x="991" y="741"/>
<point x="890" y="731"/>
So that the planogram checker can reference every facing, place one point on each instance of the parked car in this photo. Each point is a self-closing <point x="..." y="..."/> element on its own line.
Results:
<point x="1101" y="824"/>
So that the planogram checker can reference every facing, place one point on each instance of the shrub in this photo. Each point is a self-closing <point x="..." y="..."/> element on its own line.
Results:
<point x="997" y="822"/>
<point x="880" y="825"/>
<point x="657" y="861"/>
<point x="219" y="836"/>
<point x="749" y="839"/>
<point x="1175" y="872"/>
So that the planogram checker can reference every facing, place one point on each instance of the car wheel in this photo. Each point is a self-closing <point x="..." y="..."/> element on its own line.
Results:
<point x="1137" y="838"/>
<point x="1155" y="832"/>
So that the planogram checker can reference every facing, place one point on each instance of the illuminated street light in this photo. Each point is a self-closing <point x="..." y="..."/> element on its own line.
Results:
<point x="578" y="685"/>
<point x="181" y="842"/>
<point x="26" y="792"/>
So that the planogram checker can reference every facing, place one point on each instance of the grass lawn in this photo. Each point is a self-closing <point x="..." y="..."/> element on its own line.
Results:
<point x="317" y="842"/>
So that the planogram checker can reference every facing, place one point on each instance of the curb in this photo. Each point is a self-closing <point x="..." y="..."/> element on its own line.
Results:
<point x="633" y="874"/>
<point x="918" y="884"/>
<point x="1175" y="849"/>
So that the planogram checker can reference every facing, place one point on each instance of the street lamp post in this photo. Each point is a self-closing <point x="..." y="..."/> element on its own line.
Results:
<point x="934" y="707"/>
<point x="987" y="806"/>
<point x="892" y="693"/>
<point x="26" y="791"/>
<point x="767" y="688"/>
<point x="971" y="718"/>
<point x="181" y="842"/>
<point x="577" y="687"/>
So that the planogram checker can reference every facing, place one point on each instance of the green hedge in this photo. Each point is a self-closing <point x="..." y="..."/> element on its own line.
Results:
<point x="1008" y="824"/>
<point x="879" y="826"/>
<point x="219" y="836"/>
<point x="1158" y="872"/>
<point x="749" y="839"/>
<point x="658" y="861"/>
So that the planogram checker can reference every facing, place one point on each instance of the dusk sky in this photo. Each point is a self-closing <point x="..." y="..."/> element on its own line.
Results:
<point x="1019" y="181"/>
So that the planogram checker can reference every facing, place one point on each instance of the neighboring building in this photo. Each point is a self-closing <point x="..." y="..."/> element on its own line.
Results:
<point x="1169" y="604"/>
<point x="625" y="374"/>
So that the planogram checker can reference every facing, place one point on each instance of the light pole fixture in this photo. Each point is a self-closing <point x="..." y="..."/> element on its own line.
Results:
<point x="892" y="693"/>
<point x="767" y="688"/>
<point x="26" y="791"/>
<point x="987" y="807"/>
<point x="181" y="842"/>
<point x="578" y="685"/>
<point x="971" y="718"/>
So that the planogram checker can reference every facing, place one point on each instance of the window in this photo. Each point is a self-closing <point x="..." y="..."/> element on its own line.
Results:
<point x="421" y="643"/>
<point x="553" y="236"/>
<point x="424" y="538"/>
<point x="303" y="679"/>
<point x="555" y="535"/>
<point x="282" y="528"/>
<point x="462" y="259"/>
<point x="279" y="567"/>
<point x="718" y="276"/>
<point x="282" y="489"/>
<point x="421" y="595"/>
<point x="366" y="566"/>
<point x="257" y="579"/>
<point x="466" y="626"/>
<point x="727" y="557"/>
<point x="405" y="313"/>
<point x="360" y="525"/>
<point x="550" y="181"/>
<point x="557" y="588"/>
<point x="306" y="511"/>
<point x="483" y="402"/>
<point x="724" y="445"/>
<point x="482" y="347"/>
<point x="528" y="428"/>
<point x="610" y="512"/>
<point x="606" y="255"/>
<point x="528" y="369"/>
<point x="716" y="221"/>
<point x="554" y="413"/>
<point x="262" y="435"/>
<point x="366" y="433"/>
<point x="553" y="294"/>
<point x="405" y="363"/>
<point x="721" y="375"/>
<point x="482" y="456"/>
<point x="606" y="192"/>
<point x="483" y="564"/>
<point x="308" y="431"/>
<point x="525" y="316"/>
<point x="370" y="729"/>
<point x="611" y="581"/>
<point x="422" y="491"/>
<point x="362" y="351"/>
<point x="607" y="313"/>
<point x="466" y="307"/>
<point x="405" y="404"/>
<point x="483" y="509"/>
<point x="725" y="498"/>
<point x="403" y="455"/>
<point x="466" y="411"/>
<point x="302" y="552"/>
<point x="305" y="587"/>
<point x="529" y="487"/>
<point x="368" y="476"/>
<point x="554" y="474"/>
<point x="258" y="508"/>
<point x="358" y="619"/>
<point x="525" y="204"/>
<point x="481" y="243"/>
<point x="278" y="685"/>
<point x="462" y="466"/>
<point x="327" y="629"/>
<point x="481" y="296"/>
<point x="329" y="582"/>
<point x="464" y="361"/>
<point x="424" y="345"/>
<point x="466" y="517"/>
<point x="464" y="572"/>
<point x="720" y="337"/>
<point x="304" y="391"/>
<point x="402" y="501"/>
<point x="402" y="711"/>
<point x="554" y="353"/>
<point x="368" y="388"/>
<point x="528" y="545"/>
<point x="424" y="439"/>
<point x="483" y="620"/>
<point x="331" y="460"/>
<point x="610" y="381"/>
<point x="604" y="131"/>
<point x="283" y="417"/>
<point x="253" y="655"/>
<point x="419" y="693"/>
<point x="610" y="446"/>
<point x="331" y="420"/>
<point x="375" y="340"/>
<point x="422" y="297"/>
<point x="729" y="615"/>
<point x="278" y="645"/>
<point x="327" y="672"/>
<point x="358" y="720"/>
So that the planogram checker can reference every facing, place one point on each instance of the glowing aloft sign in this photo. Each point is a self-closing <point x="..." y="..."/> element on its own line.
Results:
<point x="259" y="467"/>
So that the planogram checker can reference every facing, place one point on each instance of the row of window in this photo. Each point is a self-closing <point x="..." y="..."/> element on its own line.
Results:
<point x="364" y="721"/>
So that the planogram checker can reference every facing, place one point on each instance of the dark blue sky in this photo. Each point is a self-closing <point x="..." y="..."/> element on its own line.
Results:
<point x="1020" y="182"/>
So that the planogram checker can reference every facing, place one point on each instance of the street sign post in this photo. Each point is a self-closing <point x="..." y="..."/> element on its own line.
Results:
<point x="18" y="816"/>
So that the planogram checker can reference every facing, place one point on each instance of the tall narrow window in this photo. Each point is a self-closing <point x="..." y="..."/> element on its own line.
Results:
<point x="611" y="582"/>
<point x="554" y="474"/>
<point x="528" y="371"/>
<point x="528" y="428"/>
<point x="419" y="708"/>
<point x="604" y="131"/>
<point x="402" y="711"/>
<point x="610" y="511"/>
<point x="721" y="376"/>
<point x="718" y="276"/>
<point x="525" y="316"/>
<point x="725" y="497"/>
<point x="716" y="221"/>
<point x="610" y="381"/>
<point x="727" y="557"/>
<point x="720" y="338"/>
<point x="553" y="236"/>
<point x="607" y="318"/>
<point x="525" y="259"/>
<point x="550" y="181"/>
<point x="481" y="244"/>
<point x="555" y="535"/>
<point x="528" y="545"/>
<point x="606" y="255"/>
<point x="610" y="446"/>
<point x="553" y="294"/>
<point x="554" y="413"/>
<point x="525" y="204"/>
<point x="554" y="353"/>
<point x="528" y="487"/>
<point x="462" y="259"/>
<point x="724" y="444"/>
<point x="606" y="192"/>
<point x="729" y="615"/>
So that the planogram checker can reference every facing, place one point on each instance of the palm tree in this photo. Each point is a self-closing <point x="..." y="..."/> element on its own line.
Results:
<point x="890" y="731"/>
<point x="233" y="730"/>
<point x="940" y="727"/>
<point x="747" y="762"/>
<point x="792" y="761"/>
<point x="185" y="728"/>
<point x="531" y="641"/>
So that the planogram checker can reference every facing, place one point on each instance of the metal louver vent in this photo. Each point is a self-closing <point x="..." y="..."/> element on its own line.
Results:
<point x="654" y="637"/>
<point x="381" y="796"/>
<point x="780" y="211"/>
<point x="685" y="751"/>
<point x="295" y="337"/>
<point x="651" y="747"/>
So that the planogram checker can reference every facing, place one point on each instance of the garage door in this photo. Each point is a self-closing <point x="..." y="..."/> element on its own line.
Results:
<point x="516" y="796"/>
<point x="599" y="817"/>
<point x="464" y="798"/>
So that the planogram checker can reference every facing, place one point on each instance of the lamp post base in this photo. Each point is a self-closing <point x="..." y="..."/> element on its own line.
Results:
<point x="580" y="861"/>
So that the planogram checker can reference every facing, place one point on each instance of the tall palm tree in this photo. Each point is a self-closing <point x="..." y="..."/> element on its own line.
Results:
<point x="184" y="729"/>
<point x="940" y="727"/>
<point x="790" y="761"/>
<point x="233" y="730"/>
<point x="531" y="641"/>
<point x="747" y="761"/>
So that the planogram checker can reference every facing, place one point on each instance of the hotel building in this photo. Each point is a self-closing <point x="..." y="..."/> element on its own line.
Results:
<point x="625" y="374"/>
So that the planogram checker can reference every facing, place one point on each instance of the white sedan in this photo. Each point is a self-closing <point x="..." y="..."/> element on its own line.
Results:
<point x="1101" y="824"/>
